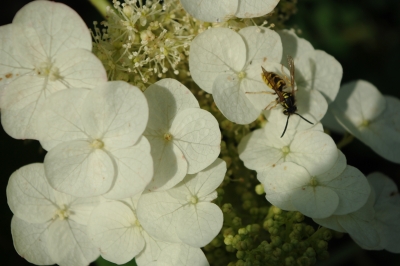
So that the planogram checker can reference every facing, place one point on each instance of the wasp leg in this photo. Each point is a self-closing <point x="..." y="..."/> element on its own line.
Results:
<point x="273" y="103"/>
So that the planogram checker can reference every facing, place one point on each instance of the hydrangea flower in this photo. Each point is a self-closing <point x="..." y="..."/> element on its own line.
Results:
<point x="94" y="142"/>
<point x="184" y="213"/>
<point x="371" y="117"/>
<point x="263" y="149"/>
<point x="116" y="231"/>
<point x="342" y="189"/>
<point x="212" y="11"/>
<point x="228" y="64"/>
<point x="46" y="49"/>
<point x="183" y="138"/>
<point x="48" y="226"/>
<point x="375" y="225"/>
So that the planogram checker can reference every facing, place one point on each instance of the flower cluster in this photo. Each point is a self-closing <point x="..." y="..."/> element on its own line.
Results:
<point x="136" y="47"/>
<point x="115" y="155"/>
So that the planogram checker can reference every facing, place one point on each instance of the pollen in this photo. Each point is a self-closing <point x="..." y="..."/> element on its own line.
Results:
<point x="285" y="150"/>
<point x="62" y="213"/>
<point x="47" y="69"/>
<point x="365" y="123"/>
<point x="192" y="199"/>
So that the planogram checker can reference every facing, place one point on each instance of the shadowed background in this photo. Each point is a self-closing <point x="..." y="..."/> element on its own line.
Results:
<point x="363" y="35"/>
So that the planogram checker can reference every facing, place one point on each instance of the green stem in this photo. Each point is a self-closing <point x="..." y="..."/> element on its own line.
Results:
<point x="101" y="6"/>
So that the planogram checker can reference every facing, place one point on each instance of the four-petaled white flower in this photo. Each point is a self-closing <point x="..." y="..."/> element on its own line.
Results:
<point x="228" y="65"/>
<point x="184" y="139"/>
<point x="341" y="190"/>
<point x="263" y="149"/>
<point x="371" y="117"/>
<point x="46" y="49"/>
<point x="94" y="141"/>
<point x="114" y="228"/>
<point x="49" y="226"/>
<point x="376" y="225"/>
<point x="184" y="213"/>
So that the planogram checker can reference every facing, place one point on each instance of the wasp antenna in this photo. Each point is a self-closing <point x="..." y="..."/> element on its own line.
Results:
<point x="304" y="119"/>
<point x="287" y="121"/>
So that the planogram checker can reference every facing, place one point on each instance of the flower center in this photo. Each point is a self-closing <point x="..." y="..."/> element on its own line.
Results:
<point x="313" y="182"/>
<point x="46" y="69"/>
<point x="97" y="144"/>
<point x="285" y="150"/>
<point x="241" y="75"/>
<point x="192" y="199"/>
<point x="62" y="213"/>
<point x="364" y="123"/>
<point x="168" y="136"/>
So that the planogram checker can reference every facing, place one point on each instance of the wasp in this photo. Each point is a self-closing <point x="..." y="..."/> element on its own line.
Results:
<point x="286" y="99"/>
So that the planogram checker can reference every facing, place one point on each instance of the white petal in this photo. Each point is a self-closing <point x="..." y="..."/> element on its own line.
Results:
<point x="357" y="101"/>
<point x="198" y="224"/>
<point x="79" y="68"/>
<point x="151" y="252"/>
<point x="166" y="98"/>
<point x="58" y="26"/>
<point x="196" y="132"/>
<point x="262" y="148"/>
<point x="352" y="188"/>
<point x="170" y="165"/>
<point x="112" y="229"/>
<point x="329" y="121"/>
<point x="206" y="181"/>
<point x="255" y="8"/>
<point x="231" y="98"/>
<point x="116" y="113"/>
<point x="69" y="245"/>
<point x="262" y="45"/>
<point x="209" y="10"/>
<point x="21" y="101"/>
<point x="155" y="212"/>
<point x="181" y="255"/>
<point x="12" y="63"/>
<point x="30" y="241"/>
<point x="314" y="150"/>
<point x="135" y="170"/>
<point x="336" y="170"/>
<point x="293" y="45"/>
<point x="29" y="195"/>
<point x="60" y="119"/>
<point x="331" y="222"/>
<point x="214" y="52"/>
<point x="318" y="70"/>
<point x="76" y="168"/>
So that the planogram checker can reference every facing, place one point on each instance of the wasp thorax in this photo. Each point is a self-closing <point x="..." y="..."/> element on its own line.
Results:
<point x="168" y="136"/>
<point x="97" y="144"/>
<point x="47" y="69"/>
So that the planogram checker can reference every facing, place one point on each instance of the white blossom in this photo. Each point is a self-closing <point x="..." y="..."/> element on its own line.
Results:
<point x="183" y="138"/>
<point x="48" y="226"/>
<point x="228" y="65"/>
<point x="263" y="149"/>
<point x="371" y="117"/>
<point x="94" y="142"/>
<point x="342" y="189"/>
<point x="46" y="49"/>
<point x="184" y="213"/>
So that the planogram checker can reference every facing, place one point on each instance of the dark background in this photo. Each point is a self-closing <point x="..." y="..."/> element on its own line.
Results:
<point x="363" y="35"/>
